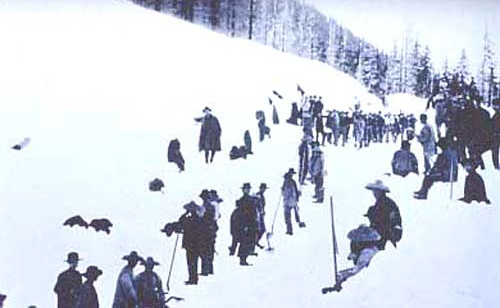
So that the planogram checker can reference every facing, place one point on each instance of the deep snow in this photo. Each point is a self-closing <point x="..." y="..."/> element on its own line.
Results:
<point x="101" y="87"/>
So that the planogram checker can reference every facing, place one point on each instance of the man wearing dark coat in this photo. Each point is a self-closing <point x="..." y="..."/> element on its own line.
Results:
<point x="444" y="169"/>
<point x="68" y="283"/>
<point x="126" y="292"/>
<point x="149" y="288"/>
<point x="404" y="161"/>
<point x="304" y="149"/>
<point x="384" y="216"/>
<point x="192" y="228"/>
<point x="209" y="233"/>
<point x="291" y="195"/>
<point x="209" y="135"/>
<point x="474" y="189"/>
<point x="261" y="212"/>
<point x="495" y="142"/>
<point x="88" y="295"/>
<point x="244" y="225"/>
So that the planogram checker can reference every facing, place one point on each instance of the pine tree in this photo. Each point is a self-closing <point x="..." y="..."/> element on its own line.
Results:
<point x="484" y="82"/>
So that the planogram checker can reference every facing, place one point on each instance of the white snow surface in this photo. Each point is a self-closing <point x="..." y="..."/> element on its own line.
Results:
<point x="100" y="87"/>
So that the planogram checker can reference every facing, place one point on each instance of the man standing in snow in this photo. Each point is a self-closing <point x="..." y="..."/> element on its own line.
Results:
<point x="384" y="216"/>
<point x="261" y="204"/>
<point x="192" y="230"/>
<point x="149" y="288"/>
<point x="426" y="138"/>
<point x="290" y="201"/>
<point x="126" y="293"/>
<point x="68" y="283"/>
<point x="317" y="172"/>
<point x="304" y="148"/>
<point x="209" y="233"/>
<point x="88" y="295"/>
<point x="209" y="135"/>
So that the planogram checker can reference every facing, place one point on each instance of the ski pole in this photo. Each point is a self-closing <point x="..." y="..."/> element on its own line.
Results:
<point x="334" y="240"/>
<point x="172" y="262"/>
<point x="275" y="214"/>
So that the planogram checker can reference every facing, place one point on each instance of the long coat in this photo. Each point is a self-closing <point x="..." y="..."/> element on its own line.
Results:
<point x="404" y="162"/>
<point x="317" y="163"/>
<point x="192" y="226"/>
<point x="87" y="297"/>
<point x="67" y="288"/>
<point x="474" y="189"/>
<point x="210" y="134"/>
<point x="244" y="224"/>
<point x="126" y="293"/>
<point x="149" y="290"/>
<point x="384" y="217"/>
<point x="290" y="193"/>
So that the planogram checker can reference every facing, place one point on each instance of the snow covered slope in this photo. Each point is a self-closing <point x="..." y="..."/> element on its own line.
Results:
<point x="100" y="87"/>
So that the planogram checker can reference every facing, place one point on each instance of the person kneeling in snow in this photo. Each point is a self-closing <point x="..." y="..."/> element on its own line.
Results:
<point x="364" y="242"/>
<point x="474" y="189"/>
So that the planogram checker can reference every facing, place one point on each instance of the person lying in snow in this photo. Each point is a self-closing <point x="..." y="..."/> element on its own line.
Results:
<point x="474" y="189"/>
<point x="364" y="246"/>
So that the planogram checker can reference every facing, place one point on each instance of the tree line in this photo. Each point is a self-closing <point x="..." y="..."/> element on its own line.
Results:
<point x="299" y="28"/>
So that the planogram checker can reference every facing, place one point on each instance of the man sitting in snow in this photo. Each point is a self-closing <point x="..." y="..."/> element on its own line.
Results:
<point x="404" y="161"/>
<point x="364" y="246"/>
<point x="474" y="189"/>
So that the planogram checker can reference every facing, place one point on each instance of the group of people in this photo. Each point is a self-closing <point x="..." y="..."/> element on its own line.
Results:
<point x="143" y="291"/>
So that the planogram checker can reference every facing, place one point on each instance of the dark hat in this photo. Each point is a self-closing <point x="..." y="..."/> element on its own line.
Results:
<point x="290" y="172"/>
<point x="133" y="256"/>
<point x="246" y="186"/>
<point x="149" y="262"/>
<point x="73" y="257"/>
<point x="378" y="185"/>
<point x="263" y="186"/>
<point x="205" y="194"/>
<point x="206" y="109"/>
<point x="92" y="272"/>
<point x="191" y="206"/>
<point x="215" y="196"/>
<point x="363" y="233"/>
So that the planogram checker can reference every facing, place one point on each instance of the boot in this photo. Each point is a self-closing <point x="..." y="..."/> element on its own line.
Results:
<point x="302" y="224"/>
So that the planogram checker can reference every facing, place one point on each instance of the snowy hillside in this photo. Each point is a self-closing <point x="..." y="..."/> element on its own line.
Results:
<point x="100" y="87"/>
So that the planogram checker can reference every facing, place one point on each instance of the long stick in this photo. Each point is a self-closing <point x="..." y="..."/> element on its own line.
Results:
<point x="270" y="234"/>
<point x="334" y="240"/>
<point x="172" y="262"/>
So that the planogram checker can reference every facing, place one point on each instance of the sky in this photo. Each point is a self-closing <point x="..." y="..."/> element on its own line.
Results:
<point x="446" y="26"/>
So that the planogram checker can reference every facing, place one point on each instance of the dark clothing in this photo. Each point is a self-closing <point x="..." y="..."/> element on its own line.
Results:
<point x="244" y="224"/>
<point x="303" y="161"/>
<point x="210" y="228"/>
<point x="248" y="142"/>
<point x="404" y="162"/>
<point x="88" y="297"/>
<point x="474" y="189"/>
<point x="495" y="144"/>
<point x="209" y="134"/>
<point x="295" y="115"/>
<point x="192" y="242"/>
<point x="149" y="290"/>
<point x="441" y="171"/>
<point x="384" y="217"/>
<point x="67" y="287"/>
<point x="174" y="154"/>
<point x="276" y="119"/>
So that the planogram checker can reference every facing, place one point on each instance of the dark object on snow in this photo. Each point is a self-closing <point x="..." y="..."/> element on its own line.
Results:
<point x="302" y="92"/>
<point x="248" y="142"/>
<point x="270" y="101"/>
<point x="295" y="115"/>
<point x="474" y="189"/>
<point x="175" y="155"/>
<point x="101" y="224"/>
<point x="210" y="133"/>
<point x="276" y="119"/>
<point x="68" y="283"/>
<point x="156" y="185"/>
<point x="404" y="161"/>
<point x="2" y="299"/>
<point x="21" y="145"/>
<point x="172" y="227"/>
<point x="238" y="152"/>
<point x="76" y="220"/>
<point x="277" y="94"/>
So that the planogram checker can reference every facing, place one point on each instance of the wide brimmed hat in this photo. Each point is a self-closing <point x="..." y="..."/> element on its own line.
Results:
<point x="215" y="196"/>
<point x="206" y="109"/>
<point x="263" y="186"/>
<point x="363" y="233"/>
<point x="73" y="257"/>
<point x="378" y="185"/>
<point x="191" y="206"/>
<point x="246" y="186"/>
<point x="149" y="262"/>
<point x="133" y="256"/>
<point x="92" y="272"/>
<point x="205" y="194"/>
<point x="290" y="172"/>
